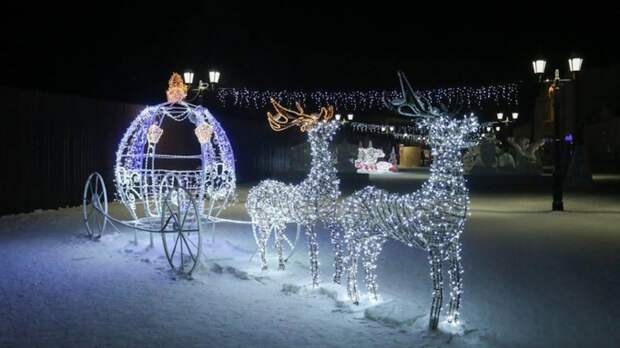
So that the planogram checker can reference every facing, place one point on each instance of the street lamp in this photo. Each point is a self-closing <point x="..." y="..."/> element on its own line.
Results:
<point x="574" y="65"/>
<point x="539" y="67"/>
<point x="201" y="86"/>
<point x="350" y="117"/>
<point x="188" y="77"/>
<point x="214" y="76"/>
<point x="338" y="117"/>
<point x="513" y="117"/>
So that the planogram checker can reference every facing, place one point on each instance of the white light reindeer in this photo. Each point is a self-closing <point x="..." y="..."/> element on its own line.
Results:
<point x="272" y="204"/>
<point x="431" y="218"/>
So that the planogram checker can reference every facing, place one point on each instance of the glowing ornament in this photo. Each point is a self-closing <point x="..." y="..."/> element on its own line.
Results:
<point x="154" y="133"/>
<point x="203" y="133"/>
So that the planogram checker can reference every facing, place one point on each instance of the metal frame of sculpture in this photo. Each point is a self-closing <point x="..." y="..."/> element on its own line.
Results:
<point x="431" y="218"/>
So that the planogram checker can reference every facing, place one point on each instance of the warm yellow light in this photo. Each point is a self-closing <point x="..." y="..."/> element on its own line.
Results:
<point x="177" y="90"/>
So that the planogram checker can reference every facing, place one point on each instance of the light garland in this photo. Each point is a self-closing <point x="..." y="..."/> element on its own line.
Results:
<point x="272" y="204"/>
<point x="431" y="218"/>
<point x="471" y="97"/>
<point x="400" y="132"/>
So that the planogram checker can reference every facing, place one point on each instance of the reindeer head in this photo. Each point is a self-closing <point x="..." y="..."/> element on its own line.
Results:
<point x="315" y="123"/>
<point x="443" y="129"/>
<point x="448" y="132"/>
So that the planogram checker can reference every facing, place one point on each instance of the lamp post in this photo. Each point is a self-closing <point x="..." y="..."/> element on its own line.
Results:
<point x="201" y="87"/>
<point x="507" y="120"/>
<point x="555" y="87"/>
<point x="343" y="119"/>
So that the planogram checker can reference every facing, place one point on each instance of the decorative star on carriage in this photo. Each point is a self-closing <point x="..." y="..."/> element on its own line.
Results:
<point x="174" y="194"/>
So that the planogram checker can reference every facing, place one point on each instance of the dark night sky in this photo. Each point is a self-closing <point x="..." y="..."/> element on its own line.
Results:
<point x="128" y="52"/>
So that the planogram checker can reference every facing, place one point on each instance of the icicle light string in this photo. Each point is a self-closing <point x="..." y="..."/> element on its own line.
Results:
<point x="471" y="97"/>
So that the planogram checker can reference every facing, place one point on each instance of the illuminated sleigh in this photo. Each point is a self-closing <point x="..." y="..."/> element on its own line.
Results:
<point x="159" y="196"/>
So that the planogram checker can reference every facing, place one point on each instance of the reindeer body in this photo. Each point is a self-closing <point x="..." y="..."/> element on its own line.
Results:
<point x="273" y="204"/>
<point x="431" y="218"/>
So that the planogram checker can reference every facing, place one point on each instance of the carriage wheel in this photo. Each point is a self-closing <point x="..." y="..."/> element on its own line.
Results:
<point x="95" y="206"/>
<point x="180" y="230"/>
<point x="290" y="240"/>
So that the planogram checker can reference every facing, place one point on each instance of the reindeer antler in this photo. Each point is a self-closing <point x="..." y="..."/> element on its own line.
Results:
<point x="285" y="118"/>
<point x="410" y="104"/>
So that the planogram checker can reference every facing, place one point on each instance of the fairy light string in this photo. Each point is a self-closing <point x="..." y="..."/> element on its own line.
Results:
<point x="506" y="94"/>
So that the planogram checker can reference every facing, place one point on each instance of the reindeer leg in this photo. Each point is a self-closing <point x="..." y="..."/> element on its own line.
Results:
<point x="456" y="281"/>
<point x="352" y="273"/>
<point x="262" y="245"/>
<point x="337" y="243"/>
<point x="278" y="241"/>
<point x="371" y="251"/>
<point x="313" y="250"/>
<point x="436" y="276"/>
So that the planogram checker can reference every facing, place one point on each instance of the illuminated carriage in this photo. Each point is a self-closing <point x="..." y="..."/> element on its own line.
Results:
<point x="173" y="194"/>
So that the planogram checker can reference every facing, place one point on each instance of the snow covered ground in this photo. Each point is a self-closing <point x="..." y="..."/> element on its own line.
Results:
<point x="533" y="278"/>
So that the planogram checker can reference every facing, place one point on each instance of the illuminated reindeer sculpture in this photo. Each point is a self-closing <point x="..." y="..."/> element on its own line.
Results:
<point x="272" y="204"/>
<point x="431" y="218"/>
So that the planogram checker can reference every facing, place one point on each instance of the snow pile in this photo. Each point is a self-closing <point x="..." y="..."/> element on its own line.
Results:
<point x="532" y="278"/>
